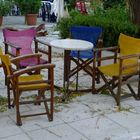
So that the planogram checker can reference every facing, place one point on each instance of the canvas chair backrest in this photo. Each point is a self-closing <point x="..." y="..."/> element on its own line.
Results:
<point x="1" y="53"/>
<point x="5" y="59"/>
<point x="21" y="38"/>
<point x="128" y="45"/>
<point x="91" y="34"/>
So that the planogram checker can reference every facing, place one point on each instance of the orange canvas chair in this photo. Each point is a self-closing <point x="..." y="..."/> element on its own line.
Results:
<point x="18" y="82"/>
<point x="125" y="66"/>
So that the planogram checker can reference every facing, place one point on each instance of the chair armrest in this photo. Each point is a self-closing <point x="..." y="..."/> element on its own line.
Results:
<point x="30" y="69"/>
<point x="135" y="65"/>
<point x="129" y="56"/>
<point x="106" y="49"/>
<point x="42" y="42"/>
<point x="113" y="49"/>
<point x="18" y="58"/>
<point x="47" y="44"/>
<point x="17" y="48"/>
<point x="12" y="45"/>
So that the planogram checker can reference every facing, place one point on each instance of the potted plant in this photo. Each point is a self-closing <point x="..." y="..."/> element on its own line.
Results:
<point x="30" y="9"/>
<point x="5" y="7"/>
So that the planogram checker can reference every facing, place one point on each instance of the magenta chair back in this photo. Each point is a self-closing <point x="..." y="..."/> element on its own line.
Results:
<point x="22" y="39"/>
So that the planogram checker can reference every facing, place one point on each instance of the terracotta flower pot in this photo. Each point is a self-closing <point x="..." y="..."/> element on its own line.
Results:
<point x="1" y="20"/>
<point x="31" y="19"/>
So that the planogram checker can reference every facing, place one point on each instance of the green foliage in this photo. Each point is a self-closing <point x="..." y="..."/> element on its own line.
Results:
<point x="112" y="3"/>
<point x="71" y="4"/>
<point x="97" y="7"/>
<point x="113" y="21"/>
<point x="74" y="12"/>
<point x="5" y="7"/>
<point x="29" y="6"/>
<point x="3" y="104"/>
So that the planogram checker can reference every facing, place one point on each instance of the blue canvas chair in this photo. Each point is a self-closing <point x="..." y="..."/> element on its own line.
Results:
<point x="83" y="59"/>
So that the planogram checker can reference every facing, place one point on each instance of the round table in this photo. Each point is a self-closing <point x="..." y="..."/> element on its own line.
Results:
<point x="72" y="44"/>
<point x="69" y="45"/>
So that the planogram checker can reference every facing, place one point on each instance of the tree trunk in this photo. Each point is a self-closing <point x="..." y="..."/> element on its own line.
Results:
<point x="134" y="8"/>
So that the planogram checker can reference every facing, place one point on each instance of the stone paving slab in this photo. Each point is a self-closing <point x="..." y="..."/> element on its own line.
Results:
<point x="86" y="117"/>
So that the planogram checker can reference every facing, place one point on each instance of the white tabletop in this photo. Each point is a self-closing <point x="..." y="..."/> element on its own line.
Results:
<point x="71" y="44"/>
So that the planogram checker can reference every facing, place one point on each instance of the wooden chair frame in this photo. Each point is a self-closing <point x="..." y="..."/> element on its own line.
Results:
<point x="17" y="87"/>
<point x="46" y="52"/>
<point x="121" y="79"/>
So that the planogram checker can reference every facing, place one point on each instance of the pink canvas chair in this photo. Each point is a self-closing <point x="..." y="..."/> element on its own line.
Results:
<point x="20" y="42"/>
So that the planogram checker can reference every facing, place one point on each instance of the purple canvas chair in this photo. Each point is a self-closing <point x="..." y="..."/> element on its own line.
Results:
<point x="20" y="43"/>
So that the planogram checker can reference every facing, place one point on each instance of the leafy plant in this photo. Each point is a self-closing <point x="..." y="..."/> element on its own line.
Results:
<point x="111" y="3"/>
<point x="5" y="7"/>
<point x="113" y="21"/>
<point x="96" y="7"/>
<point x="29" y="6"/>
<point x="70" y="4"/>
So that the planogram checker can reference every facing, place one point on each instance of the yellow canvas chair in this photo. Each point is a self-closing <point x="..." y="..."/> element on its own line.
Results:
<point x="1" y="51"/>
<point x="18" y="82"/>
<point x="123" y="68"/>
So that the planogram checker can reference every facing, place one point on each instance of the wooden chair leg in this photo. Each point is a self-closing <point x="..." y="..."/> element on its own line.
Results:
<point x="98" y="64"/>
<point x="108" y="84"/>
<point x="5" y="80"/>
<point x="18" y="117"/>
<point x="97" y="77"/>
<point x="138" y="96"/>
<point x="14" y="97"/>
<point x="8" y="95"/>
<point x="46" y="105"/>
<point x="38" y="97"/>
<point x="118" y="94"/>
<point x="51" y="105"/>
<point x="94" y="91"/>
<point x="97" y="74"/>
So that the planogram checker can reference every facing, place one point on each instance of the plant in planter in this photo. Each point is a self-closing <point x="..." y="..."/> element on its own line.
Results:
<point x="30" y="9"/>
<point x="5" y="7"/>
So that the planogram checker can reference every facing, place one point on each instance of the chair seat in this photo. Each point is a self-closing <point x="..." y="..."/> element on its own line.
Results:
<point x="32" y="78"/>
<point x="113" y="69"/>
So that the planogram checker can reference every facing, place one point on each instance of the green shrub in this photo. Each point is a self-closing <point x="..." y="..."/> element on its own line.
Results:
<point x="71" y="4"/>
<point x="29" y="6"/>
<point x="5" y="7"/>
<point x="111" y="3"/>
<point x="113" y="21"/>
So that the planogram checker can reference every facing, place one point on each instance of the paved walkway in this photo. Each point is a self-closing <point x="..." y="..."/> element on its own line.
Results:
<point x="86" y="117"/>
